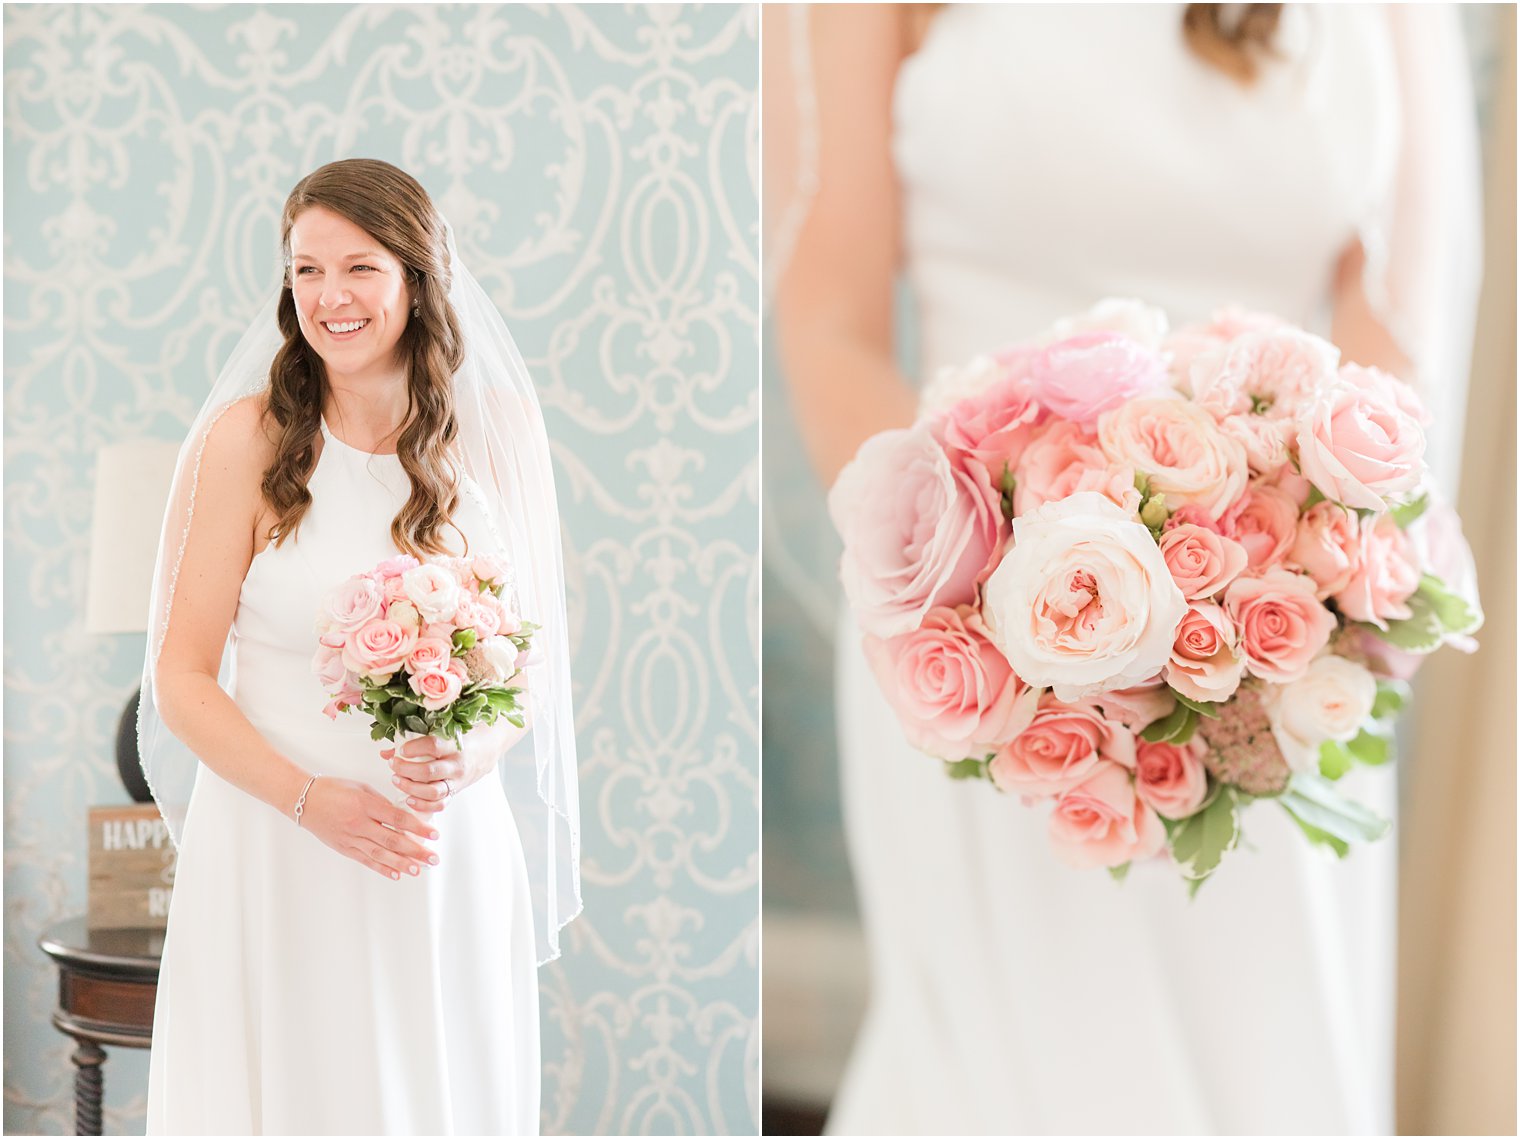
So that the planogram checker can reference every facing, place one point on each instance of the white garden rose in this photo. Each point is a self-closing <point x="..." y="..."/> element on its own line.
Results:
<point x="1083" y="603"/>
<point x="433" y="590"/>
<point x="1329" y="702"/>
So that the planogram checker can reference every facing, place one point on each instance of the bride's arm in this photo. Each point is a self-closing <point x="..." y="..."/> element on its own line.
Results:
<point x="219" y="548"/>
<point x="834" y="296"/>
<point x="1355" y="327"/>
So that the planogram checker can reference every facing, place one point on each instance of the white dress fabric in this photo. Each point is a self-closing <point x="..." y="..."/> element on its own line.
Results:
<point x="1049" y="158"/>
<point x="300" y="992"/>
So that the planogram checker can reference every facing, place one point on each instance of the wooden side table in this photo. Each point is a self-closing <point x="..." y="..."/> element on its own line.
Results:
<point x="107" y="983"/>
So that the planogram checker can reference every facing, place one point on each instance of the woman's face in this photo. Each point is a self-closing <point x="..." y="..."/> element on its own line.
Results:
<point x="352" y="297"/>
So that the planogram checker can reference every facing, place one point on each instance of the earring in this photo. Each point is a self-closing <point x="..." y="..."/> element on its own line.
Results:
<point x="416" y="308"/>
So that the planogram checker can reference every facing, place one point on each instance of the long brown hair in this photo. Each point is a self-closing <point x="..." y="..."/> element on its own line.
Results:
<point x="393" y="208"/>
<point x="1234" y="44"/>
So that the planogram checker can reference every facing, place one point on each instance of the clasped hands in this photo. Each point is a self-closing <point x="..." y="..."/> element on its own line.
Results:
<point x="429" y="771"/>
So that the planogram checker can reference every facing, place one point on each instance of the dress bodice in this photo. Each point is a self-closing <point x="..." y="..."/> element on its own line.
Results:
<point x="1054" y="154"/>
<point x="346" y="530"/>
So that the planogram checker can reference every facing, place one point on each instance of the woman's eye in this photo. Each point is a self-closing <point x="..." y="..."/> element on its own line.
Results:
<point x="371" y="267"/>
<point x="305" y="269"/>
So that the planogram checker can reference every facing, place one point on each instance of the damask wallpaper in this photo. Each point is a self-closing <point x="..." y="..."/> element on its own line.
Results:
<point x="599" y="165"/>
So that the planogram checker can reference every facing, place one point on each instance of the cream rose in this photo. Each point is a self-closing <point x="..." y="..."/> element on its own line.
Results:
<point x="1331" y="701"/>
<point x="1360" y="447"/>
<point x="434" y="590"/>
<point x="1180" y="447"/>
<point x="1083" y="602"/>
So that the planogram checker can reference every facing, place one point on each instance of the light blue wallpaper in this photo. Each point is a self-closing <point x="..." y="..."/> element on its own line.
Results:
<point x="599" y="165"/>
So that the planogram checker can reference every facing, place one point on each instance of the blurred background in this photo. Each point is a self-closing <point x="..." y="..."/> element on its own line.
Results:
<point x="1456" y="1059"/>
<point x="599" y="166"/>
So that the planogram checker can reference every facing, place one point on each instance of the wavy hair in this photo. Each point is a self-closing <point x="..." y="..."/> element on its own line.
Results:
<point x="393" y="208"/>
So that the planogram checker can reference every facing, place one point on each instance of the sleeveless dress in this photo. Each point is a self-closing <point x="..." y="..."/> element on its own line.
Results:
<point x="1050" y="157"/>
<point x="300" y="992"/>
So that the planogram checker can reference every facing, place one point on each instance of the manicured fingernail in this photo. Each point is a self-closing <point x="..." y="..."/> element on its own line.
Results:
<point x="411" y="802"/>
<point x="414" y="870"/>
<point x="433" y="858"/>
<point x="394" y="876"/>
<point x="432" y="834"/>
<point x="396" y="779"/>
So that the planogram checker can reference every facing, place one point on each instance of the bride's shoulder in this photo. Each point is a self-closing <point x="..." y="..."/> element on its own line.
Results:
<point x="240" y="434"/>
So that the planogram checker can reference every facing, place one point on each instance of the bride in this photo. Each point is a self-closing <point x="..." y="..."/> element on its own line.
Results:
<point x="1017" y="164"/>
<point x="376" y="973"/>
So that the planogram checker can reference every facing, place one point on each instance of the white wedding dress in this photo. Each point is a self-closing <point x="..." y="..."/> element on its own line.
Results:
<point x="1049" y="158"/>
<point x="302" y="993"/>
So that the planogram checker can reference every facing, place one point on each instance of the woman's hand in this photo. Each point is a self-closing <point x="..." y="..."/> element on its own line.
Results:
<point x="428" y="770"/>
<point x="356" y="820"/>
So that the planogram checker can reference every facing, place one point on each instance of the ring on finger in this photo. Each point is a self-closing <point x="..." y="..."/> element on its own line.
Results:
<point x="447" y="789"/>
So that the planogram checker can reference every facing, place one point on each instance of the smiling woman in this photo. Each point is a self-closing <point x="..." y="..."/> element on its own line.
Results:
<point x="381" y="979"/>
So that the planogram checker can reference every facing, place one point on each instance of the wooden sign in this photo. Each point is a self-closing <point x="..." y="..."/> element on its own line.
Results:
<point x="131" y="868"/>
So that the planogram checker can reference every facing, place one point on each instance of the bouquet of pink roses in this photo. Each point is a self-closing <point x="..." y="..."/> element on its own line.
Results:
<point x="430" y="648"/>
<point x="1145" y="579"/>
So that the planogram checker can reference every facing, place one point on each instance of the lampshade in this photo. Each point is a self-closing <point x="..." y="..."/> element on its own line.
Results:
<point x="131" y="491"/>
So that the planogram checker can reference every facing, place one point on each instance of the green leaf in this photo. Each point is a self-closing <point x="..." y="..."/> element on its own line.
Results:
<point x="416" y="724"/>
<point x="1314" y="800"/>
<point x="1434" y="612"/>
<point x="1392" y="695"/>
<point x="1119" y="873"/>
<point x="1174" y="728"/>
<point x="1316" y="496"/>
<point x="1199" y="841"/>
<point x="517" y="720"/>
<point x="378" y="732"/>
<point x="1316" y="835"/>
<point x="1371" y="748"/>
<point x="1406" y="512"/>
<point x="1202" y="707"/>
<point x="965" y="769"/>
<point x="1454" y="613"/>
<point x="1334" y="760"/>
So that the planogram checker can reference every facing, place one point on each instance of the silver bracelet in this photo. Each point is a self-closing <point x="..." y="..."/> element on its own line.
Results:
<point x="301" y="802"/>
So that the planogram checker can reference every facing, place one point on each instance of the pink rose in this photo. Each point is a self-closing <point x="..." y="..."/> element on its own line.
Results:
<point x="329" y="667"/>
<point x="1266" y="441"/>
<point x="1082" y="601"/>
<point x="1326" y="547"/>
<point x="1272" y="372"/>
<point x="992" y="426"/>
<point x="395" y="567"/>
<point x="395" y="590"/>
<point x="1384" y="575"/>
<point x="1359" y="447"/>
<point x="429" y="654"/>
<point x="1264" y="521"/>
<point x="437" y="690"/>
<point x="1085" y="375"/>
<point x="1204" y="664"/>
<point x="354" y="602"/>
<point x="1171" y="778"/>
<point x="954" y="692"/>
<point x="1390" y="388"/>
<point x="491" y="569"/>
<point x="1282" y="625"/>
<point x="1136" y="707"/>
<point x="1102" y="822"/>
<point x="473" y="613"/>
<point x="351" y="697"/>
<point x="1180" y="447"/>
<point x="1062" y="459"/>
<point x="918" y="529"/>
<point x="1059" y="748"/>
<point x="1202" y="562"/>
<point x="378" y="649"/>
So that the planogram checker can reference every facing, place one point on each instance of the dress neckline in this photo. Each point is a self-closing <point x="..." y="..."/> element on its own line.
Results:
<point x="330" y="436"/>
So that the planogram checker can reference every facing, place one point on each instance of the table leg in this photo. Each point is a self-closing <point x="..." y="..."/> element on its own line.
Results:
<point x="88" y="1083"/>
